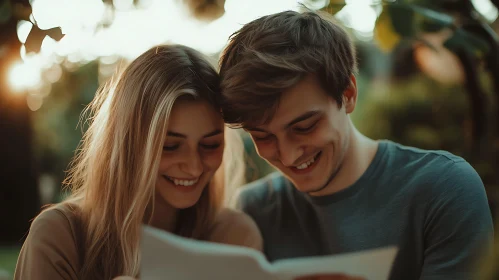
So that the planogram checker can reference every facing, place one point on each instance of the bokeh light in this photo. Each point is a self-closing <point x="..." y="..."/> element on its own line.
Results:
<point x="34" y="101"/>
<point x="486" y="9"/>
<point x="359" y="15"/>
<point x="23" y="29"/>
<point x="23" y="76"/>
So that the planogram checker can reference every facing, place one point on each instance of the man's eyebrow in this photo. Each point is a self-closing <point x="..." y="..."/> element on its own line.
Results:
<point x="298" y="119"/>
<point x="302" y="117"/>
<point x="180" y="135"/>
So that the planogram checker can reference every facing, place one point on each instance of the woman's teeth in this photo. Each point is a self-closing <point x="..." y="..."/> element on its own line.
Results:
<point x="179" y="182"/>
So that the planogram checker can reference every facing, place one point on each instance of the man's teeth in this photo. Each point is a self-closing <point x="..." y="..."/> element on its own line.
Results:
<point x="306" y="164"/>
<point x="183" y="182"/>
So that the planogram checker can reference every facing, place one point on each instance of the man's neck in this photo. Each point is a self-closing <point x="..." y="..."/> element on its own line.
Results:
<point x="358" y="156"/>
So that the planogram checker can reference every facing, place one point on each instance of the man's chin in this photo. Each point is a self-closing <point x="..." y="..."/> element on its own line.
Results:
<point x="309" y="186"/>
<point x="306" y="187"/>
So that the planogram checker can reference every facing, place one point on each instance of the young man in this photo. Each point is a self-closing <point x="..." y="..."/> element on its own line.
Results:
<point x="288" y="79"/>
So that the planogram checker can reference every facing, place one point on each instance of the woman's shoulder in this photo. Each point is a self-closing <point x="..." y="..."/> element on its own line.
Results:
<point x="57" y="216"/>
<point x="236" y="228"/>
<point x="56" y="225"/>
<point x="51" y="247"/>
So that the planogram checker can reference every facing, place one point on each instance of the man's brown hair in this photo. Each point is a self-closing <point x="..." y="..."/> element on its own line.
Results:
<point x="273" y="53"/>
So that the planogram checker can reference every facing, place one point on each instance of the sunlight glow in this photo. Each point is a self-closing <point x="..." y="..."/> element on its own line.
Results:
<point x="43" y="12"/>
<point x="138" y="29"/>
<point x="23" y="76"/>
<point x="123" y="4"/>
<point x="94" y="31"/>
<point x="34" y="101"/>
<point x="70" y="15"/>
<point x="360" y="15"/>
<point x="23" y="29"/>
<point x="486" y="9"/>
<point x="315" y="4"/>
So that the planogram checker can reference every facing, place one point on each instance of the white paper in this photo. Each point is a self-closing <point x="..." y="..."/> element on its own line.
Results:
<point x="170" y="257"/>
<point x="371" y="264"/>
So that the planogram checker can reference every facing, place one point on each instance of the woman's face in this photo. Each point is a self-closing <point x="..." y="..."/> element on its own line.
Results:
<point x="192" y="152"/>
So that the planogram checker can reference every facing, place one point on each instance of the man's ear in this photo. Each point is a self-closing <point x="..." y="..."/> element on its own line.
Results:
<point x="350" y="95"/>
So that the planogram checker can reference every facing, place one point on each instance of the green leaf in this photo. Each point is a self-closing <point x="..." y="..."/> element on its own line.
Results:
<point x="384" y="34"/>
<point x="402" y="17"/>
<point x="5" y="11"/>
<point x="410" y="19"/>
<point x="462" y="39"/>
<point x="36" y="36"/>
<point x="333" y="7"/>
<point x="434" y="17"/>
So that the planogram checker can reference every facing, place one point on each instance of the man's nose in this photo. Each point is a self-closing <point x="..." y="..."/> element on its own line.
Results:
<point x="289" y="152"/>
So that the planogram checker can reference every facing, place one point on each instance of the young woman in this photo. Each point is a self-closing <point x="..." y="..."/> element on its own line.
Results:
<point x="149" y="156"/>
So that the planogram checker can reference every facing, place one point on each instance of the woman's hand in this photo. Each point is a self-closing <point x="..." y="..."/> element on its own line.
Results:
<point x="330" y="277"/>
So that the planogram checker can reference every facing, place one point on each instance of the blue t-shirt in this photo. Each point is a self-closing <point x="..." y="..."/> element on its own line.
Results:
<point x="432" y="204"/>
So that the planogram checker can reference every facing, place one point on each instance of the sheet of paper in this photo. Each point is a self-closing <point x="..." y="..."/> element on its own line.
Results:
<point x="167" y="256"/>
<point x="170" y="257"/>
<point x="371" y="264"/>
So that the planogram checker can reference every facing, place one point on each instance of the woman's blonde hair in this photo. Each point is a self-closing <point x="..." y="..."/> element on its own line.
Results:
<point x="113" y="175"/>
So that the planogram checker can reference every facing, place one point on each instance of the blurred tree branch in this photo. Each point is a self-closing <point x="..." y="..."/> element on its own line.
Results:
<point x="19" y="199"/>
<point x="206" y="10"/>
<point x="472" y="40"/>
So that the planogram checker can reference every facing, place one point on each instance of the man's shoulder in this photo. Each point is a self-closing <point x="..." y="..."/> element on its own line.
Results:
<point x="409" y="154"/>
<point x="438" y="169"/>
<point x="423" y="162"/>
<point x="263" y="191"/>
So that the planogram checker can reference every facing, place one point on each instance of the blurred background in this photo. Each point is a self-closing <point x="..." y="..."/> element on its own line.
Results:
<point x="428" y="77"/>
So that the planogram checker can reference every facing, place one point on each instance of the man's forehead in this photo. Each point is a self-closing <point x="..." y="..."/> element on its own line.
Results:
<point x="305" y="97"/>
<point x="260" y="119"/>
<point x="283" y="121"/>
<point x="255" y="125"/>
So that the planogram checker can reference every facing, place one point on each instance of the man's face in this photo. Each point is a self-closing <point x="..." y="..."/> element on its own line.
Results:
<point x="308" y="135"/>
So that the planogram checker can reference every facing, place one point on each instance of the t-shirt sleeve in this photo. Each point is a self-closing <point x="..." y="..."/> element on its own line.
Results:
<point x="236" y="228"/>
<point x="254" y="198"/>
<point x="49" y="251"/>
<point x="458" y="226"/>
<point x="242" y="198"/>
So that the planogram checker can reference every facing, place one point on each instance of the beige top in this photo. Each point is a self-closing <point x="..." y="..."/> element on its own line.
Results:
<point x="51" y="249"/>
